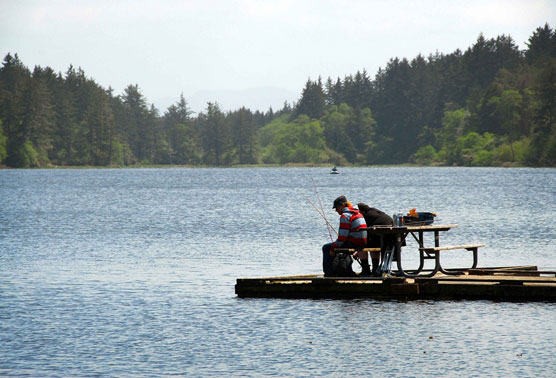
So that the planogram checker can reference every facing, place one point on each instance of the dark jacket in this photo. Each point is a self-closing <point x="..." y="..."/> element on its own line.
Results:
<point x="374" y="217"/>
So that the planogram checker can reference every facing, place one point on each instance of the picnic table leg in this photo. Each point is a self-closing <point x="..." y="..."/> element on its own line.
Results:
<point x="385" y="258"/>
<point x="398" y="253"/>
<point x="387" y="265"/>
<point x="475" y="257"/>
<point x="421" y="253"/>
<point x="459" y="272"/>
<point x="420" y="240"/>
<point x="381" y="263"/>
<point x="416" y="274"/>
<point x="382" y="254"/>
<point x="437" y="267"/>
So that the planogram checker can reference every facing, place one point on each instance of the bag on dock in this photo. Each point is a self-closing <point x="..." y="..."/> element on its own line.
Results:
<point x="419" y="218"/>
<point x="341" y="265"/>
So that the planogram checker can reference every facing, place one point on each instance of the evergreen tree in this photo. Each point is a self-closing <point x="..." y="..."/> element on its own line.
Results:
<point x="453" y="86"/>
<point x="100" y="126"/>
<point x="543" y="149"/>
<point x="139" y="124"/>
<point x="392" y="111"/>
<point x="3" y="144"/>
<point x="244" y="136"/>
<point x="215" y="135"/>
<point x="334" y="92"/>
<point x="66" y="123"/>
<point x="286" y="109"/>
<point x="312" y="102"/>
<point x="38" y="120"/>
<point x="14" y="78"/>
<point x="121" y="153"/>
<point x="541" y="45"/>
<point x="180" y="133"/>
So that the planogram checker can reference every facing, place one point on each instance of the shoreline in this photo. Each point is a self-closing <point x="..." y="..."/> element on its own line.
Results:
<point x="289" y="165"/>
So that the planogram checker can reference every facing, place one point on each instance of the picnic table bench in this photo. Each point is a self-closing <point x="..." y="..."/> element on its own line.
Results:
<point x="434" y="253"/>
<point x="392" y="238"/>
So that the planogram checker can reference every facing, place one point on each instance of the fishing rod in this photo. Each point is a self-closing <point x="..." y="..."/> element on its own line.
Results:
<point x="355" y="256"/>
<point x="322" y="209"/>
<point x="328" y="225"/>
<point x="322" y="214"/>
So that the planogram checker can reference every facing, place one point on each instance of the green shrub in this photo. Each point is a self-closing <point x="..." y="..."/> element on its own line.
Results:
<point x="3" y="145"/>
<point x="483" y="159"/>
<point x="424" y="155"/>
<point x="504" y="153"/>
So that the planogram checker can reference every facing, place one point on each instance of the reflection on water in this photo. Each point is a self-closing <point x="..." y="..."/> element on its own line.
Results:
<point x="131" y="272"/>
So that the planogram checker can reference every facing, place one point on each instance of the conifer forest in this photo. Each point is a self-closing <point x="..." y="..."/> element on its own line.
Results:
<point x="490" y="105"/>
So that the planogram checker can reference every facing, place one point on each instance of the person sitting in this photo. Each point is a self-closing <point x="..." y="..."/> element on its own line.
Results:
<point x="350" y="234"/>
<point x="373" y="217"/>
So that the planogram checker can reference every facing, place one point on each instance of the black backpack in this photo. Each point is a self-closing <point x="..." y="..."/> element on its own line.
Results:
<point x="422" y="218"/>
<point x="341" y="265"/>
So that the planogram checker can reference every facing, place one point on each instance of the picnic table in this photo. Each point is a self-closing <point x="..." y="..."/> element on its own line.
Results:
<point x="393" y="237"/>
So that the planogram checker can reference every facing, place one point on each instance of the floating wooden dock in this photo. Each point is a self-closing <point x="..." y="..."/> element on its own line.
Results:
<point x="518" y="283"/>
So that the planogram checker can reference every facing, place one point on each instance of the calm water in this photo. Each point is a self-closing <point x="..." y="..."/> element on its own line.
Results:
<point x="132" y="272"/>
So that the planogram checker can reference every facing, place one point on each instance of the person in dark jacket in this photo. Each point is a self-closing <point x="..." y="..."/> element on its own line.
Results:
<point x="373" y="217"/>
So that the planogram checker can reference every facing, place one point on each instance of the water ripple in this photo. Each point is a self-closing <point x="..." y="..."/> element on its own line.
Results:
<point x="130" y="272"/>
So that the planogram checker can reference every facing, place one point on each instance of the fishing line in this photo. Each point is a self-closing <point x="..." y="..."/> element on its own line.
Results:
<point x="322" y="214"/>
<point x="328" y="225"/>
<point x="322" y="209"/>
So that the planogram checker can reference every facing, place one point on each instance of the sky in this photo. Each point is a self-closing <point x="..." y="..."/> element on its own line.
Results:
<point x="253" y="53"/>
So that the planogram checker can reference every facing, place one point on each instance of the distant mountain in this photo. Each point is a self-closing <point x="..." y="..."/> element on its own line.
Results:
<point x="261" y="98"/>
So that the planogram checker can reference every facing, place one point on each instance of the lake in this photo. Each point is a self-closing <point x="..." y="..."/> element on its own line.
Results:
<point x="131" y="272"/>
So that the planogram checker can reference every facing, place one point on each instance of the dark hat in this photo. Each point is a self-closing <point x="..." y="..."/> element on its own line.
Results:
<point x="339" y="201"/>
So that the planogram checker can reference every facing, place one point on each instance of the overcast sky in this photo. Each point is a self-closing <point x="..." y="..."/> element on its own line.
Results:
<point x="207" y="48"/>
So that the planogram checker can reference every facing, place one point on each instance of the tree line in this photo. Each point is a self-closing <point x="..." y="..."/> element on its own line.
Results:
<point x="492" y="104"/>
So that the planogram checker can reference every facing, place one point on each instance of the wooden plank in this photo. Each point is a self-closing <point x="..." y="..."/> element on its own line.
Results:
<point x="377" y="230"/>
<point x="512" y="272"/>
<point x="494" y="291"/>
<point x="462" y="279"/>
<point x="357" y="250"/>
<point x="313" y="278"/>
<point x="499" y="278"/>
<point x="450" y="247"/>
<point x="432" y="227"/>
<point x="519" y="267"/>
<point x="526" y="270"/>
<point x="278" y="278"/>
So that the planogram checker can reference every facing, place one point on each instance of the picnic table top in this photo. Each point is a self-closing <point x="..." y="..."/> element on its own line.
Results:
<point x="409" y="228"/>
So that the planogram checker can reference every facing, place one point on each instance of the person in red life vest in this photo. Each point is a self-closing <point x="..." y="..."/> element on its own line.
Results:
<point x="350" y="234"/>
